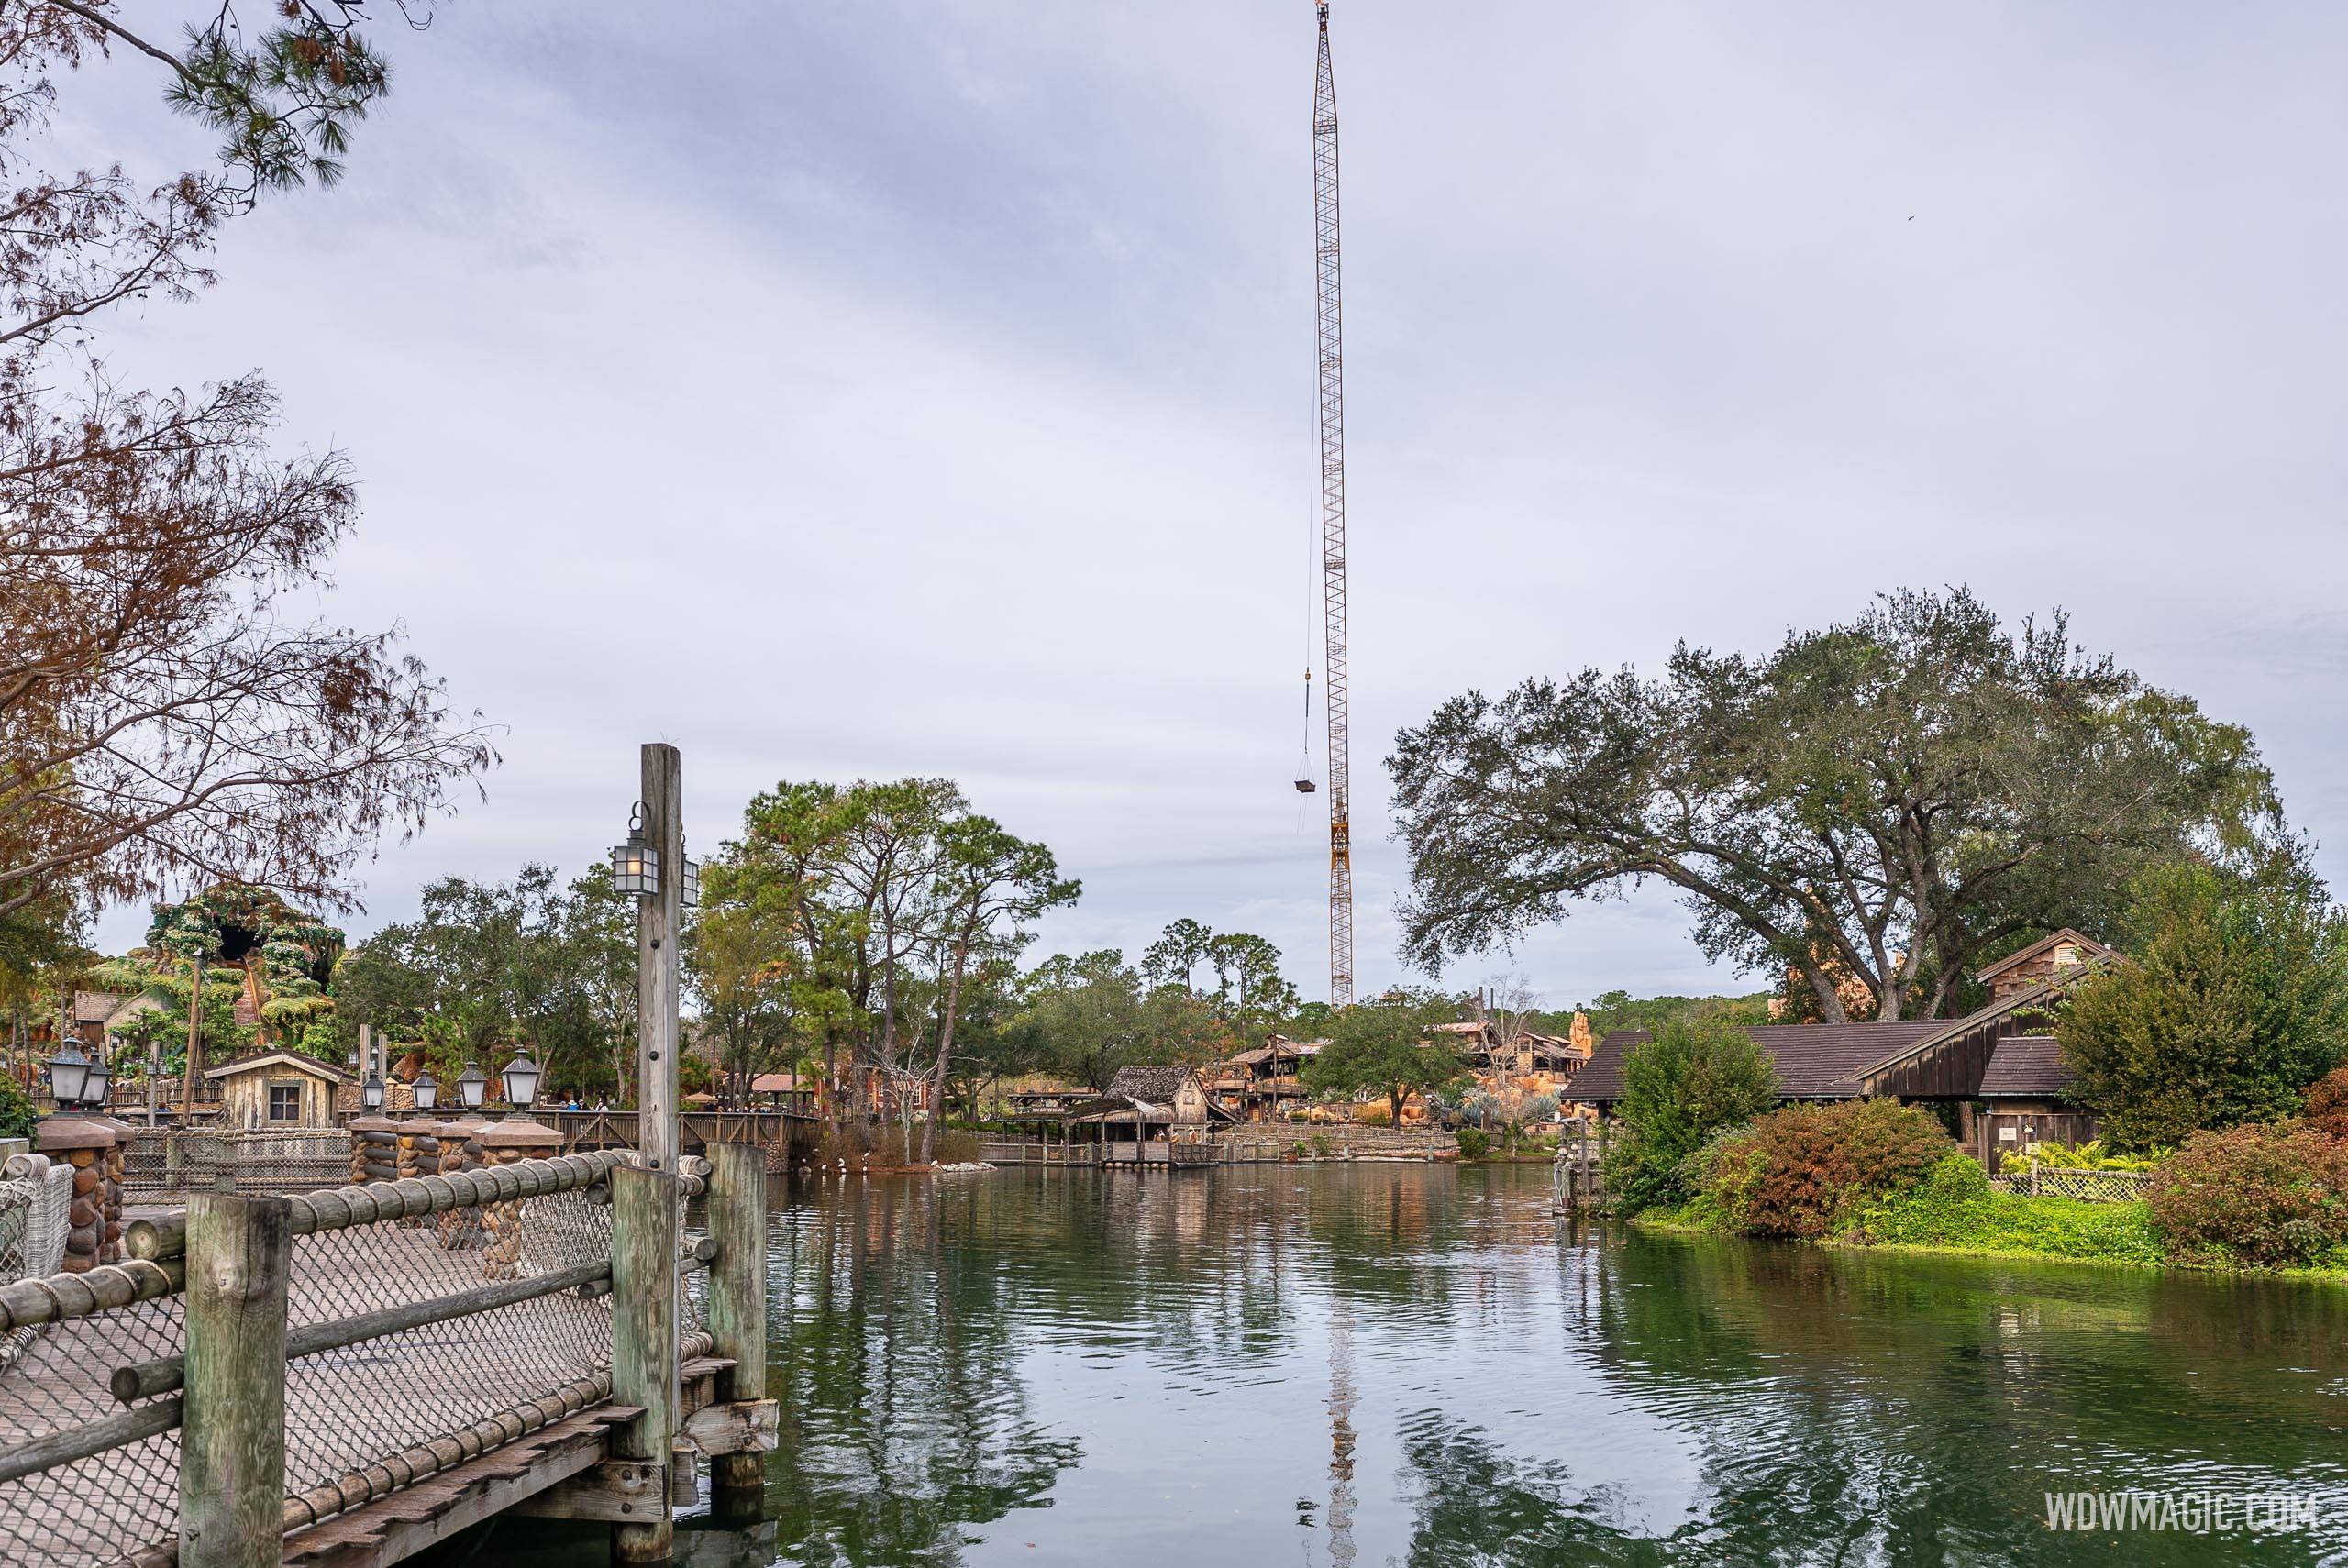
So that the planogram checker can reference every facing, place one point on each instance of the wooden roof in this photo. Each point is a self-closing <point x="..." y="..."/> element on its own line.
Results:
<point x="300" y="1061"/>
<point x="2086" y="944"/>
<point x="2026" y="1067"/>
<point x="1814" y="1061"/>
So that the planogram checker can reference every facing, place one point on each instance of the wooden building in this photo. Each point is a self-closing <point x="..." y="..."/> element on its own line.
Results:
<point x="1151" y="1115"/>
<point x="2000" y="1068"/>
<point x="277" y="1089"/>
<point x="1264" y="1085"/>
<point x="2049" y="957"/>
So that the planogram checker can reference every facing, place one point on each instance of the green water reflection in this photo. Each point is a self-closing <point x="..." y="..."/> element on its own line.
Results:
<point x="1412" y="1364"/>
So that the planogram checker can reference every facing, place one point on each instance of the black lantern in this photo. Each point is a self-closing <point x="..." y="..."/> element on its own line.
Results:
<point x="69" y="1075"/>
<point x="689" y="894"/>
<point x="371" y="1092"/>
<point x="635" y="865"/>
<point x="99" y="1085"/>
<point x="521" y="1076"/>
<point x="472" y="1086"/>
<point x="427" y="1092"/>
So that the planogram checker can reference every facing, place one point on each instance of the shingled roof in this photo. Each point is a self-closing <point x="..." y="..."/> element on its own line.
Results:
<point x="1156" y="1085"/>
<point x="1814" y="1061"/>
<point x="2026" y="1067"/>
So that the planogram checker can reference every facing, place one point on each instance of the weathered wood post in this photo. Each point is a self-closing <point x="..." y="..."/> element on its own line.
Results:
<point x="232" y="1424"/>
<point x="658" y="921"/>
<point x="645" y="1206"/>
<point x="738" y="1303"/>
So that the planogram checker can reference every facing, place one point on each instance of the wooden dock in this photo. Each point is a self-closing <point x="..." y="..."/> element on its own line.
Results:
<point x="352" y="1375"/>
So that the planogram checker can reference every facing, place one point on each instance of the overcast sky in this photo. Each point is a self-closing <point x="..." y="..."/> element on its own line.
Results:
<point x="889" y="387"/>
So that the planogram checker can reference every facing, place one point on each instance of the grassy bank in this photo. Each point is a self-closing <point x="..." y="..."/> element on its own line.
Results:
<point x="1954" y="1213"/>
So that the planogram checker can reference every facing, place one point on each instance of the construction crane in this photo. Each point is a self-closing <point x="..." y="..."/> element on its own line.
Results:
<point x="1331" y="344"/>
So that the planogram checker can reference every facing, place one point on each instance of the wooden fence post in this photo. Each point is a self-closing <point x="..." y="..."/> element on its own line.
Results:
<point x="643" y="1343"/>
<point x="737" y="1297"/>
<point x="232" y="1425"/>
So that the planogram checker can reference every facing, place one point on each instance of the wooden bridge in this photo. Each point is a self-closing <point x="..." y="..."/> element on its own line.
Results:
<point x="350" y="1375"/>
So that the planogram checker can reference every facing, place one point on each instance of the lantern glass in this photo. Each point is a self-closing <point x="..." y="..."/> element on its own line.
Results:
<point x="69" y="1075"/>
<point x="427" y="1092"/>
<point x="635" y="865"/>
<point x="689" y="893"/>
<point x="370" y="1094"/>
<point x="472" y="1086"/>
<point x="100" y="1083"/>
<point x="521" y="1076"/>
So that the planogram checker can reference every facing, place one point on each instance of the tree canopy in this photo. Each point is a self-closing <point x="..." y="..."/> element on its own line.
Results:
<point x="167" y="710"/>
<point x="1383" y="1045"/>
<point x="1888" y="802"/>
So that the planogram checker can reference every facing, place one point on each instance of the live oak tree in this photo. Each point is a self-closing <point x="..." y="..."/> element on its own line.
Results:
<point x="164" y="708"/>
<point x="1890" y="801"/>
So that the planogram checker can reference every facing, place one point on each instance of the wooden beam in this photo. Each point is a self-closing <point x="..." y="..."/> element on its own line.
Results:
<point x="613" y="1491"/>
<point x="733" y="1427"/>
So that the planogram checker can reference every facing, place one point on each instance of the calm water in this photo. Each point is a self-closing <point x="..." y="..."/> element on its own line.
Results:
<point x="1413" y="1365"/>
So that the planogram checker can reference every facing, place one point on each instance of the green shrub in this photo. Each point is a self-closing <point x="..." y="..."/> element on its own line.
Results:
<point x="1474" y="1143"/>
<point x="2272" y="1196"/>
<point x="2235" y="1000"/>
<point x="1804" y="1170"/>
<point x="1680" y="1088"/>
<point x="2089" y="1156"/>
<point x="17" y="1112"/>
<point x="1952" y="1207"/>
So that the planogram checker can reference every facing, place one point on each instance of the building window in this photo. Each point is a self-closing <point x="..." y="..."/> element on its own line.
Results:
<point x="285" y="1102"/>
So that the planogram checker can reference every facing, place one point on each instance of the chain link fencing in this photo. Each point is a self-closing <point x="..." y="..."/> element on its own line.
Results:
<point x="160" y="1164"/>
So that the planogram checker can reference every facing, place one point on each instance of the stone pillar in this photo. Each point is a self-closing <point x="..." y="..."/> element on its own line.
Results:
<point x="374" y="1149"/>
<point x="460" y="1151"/>
<point x="507" y="1143"/>
<point x="94" y="1149"/>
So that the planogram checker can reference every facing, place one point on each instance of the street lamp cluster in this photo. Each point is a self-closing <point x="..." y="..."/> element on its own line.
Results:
<point x="519" y="1079"/>
<point x="75" y="1079"/>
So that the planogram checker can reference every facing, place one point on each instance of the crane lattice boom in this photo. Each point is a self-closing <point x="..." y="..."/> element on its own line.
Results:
<point x="1333" y="521"/>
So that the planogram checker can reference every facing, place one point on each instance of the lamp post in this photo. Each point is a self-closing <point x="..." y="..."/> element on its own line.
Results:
<point x="370" y="1093"/>
<point x="472" y="1086"/>
<point x="427" y="1092"/>
<point x="69" y="1075"/>
<point x="97" y="1088"/>
<point x="521" y="1077"/>
<point x="656" y="840"/>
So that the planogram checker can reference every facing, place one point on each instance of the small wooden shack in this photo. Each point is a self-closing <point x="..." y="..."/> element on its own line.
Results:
<point x="1153" y="1115"/>
<point x="284" y="1089"/>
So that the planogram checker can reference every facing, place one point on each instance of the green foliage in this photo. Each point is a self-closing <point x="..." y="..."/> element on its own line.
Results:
<point x="486" y="967"/>
<point x="2234" y="1002"/>
<point x="1953" y="1208"/>
<point x="1612" y="1010"/>
<point x="1693" y="1078"/>
<point x="2092" y="1156"/>
<point x="1884" y="801"/>
<point x="1474" y="1143"/>
<point x="17" y="1112"/>
<point x="2270" y="1196"/>
<point x="1382" y="1045"/>
<point x="1804" y="1169"/>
